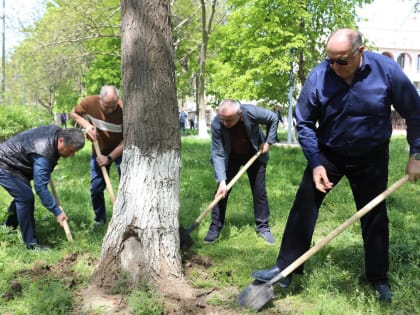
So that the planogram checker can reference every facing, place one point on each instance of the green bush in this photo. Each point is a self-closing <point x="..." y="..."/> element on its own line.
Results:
<point x="14" y="119"/>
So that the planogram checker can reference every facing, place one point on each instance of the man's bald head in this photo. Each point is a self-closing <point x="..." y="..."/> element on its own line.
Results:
<point x="344" y="39"/>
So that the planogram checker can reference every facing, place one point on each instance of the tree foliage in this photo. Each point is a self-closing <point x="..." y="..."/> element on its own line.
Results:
<point x="255" y="47"/>
<point x="71" y="51"/>
<point x="75" y="48"/>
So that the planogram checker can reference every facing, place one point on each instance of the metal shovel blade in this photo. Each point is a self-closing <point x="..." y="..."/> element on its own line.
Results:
<point x="256" y="295"/>
<point x="186" y="240"/>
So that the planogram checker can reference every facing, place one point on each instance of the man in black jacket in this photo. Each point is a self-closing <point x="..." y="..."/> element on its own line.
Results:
<point x="32" y="155"/>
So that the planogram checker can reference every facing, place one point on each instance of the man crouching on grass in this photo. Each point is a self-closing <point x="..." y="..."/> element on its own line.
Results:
<point x="32" y="155"/>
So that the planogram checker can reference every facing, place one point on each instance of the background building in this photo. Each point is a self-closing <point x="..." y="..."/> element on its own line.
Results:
<point x="392" y="27"/>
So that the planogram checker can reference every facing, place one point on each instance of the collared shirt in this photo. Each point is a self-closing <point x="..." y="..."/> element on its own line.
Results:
<point x="109" y="126"/>
<point x="354" y="119"/>
<point x="252" y="117"/>
<point x="42" y="173"/>
<point x="240" y="143"/>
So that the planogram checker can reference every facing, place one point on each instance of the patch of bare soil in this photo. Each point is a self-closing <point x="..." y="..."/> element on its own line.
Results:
<point x="179" y="296"/>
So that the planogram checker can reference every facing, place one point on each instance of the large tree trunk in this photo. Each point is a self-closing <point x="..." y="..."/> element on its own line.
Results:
<point x="143" y="238"/>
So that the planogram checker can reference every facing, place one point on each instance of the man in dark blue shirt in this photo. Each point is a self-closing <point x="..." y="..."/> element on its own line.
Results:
<point x="32" y="155"/>
<point x="344" y="127"/>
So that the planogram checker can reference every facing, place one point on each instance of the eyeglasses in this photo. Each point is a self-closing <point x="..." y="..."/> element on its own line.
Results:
<point x="341" y="61"/>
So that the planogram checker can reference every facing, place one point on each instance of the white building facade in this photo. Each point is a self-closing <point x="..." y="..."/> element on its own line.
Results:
<point x="392" y="28"/>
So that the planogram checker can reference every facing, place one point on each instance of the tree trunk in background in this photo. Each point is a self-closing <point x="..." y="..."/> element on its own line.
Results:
<point x="143" y="237"/>
<point x="205" y="32"/>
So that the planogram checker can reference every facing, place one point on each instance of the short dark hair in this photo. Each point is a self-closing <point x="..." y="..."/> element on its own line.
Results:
<point x="72" y="136"/>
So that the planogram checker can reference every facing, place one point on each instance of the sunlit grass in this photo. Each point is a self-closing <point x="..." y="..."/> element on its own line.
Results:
<point x="333" y="283"/>
<point x="334" y="280"/>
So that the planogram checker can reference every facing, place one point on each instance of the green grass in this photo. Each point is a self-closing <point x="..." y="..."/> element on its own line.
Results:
<point x="333" y="283"/>
<point x="334" y="280"/>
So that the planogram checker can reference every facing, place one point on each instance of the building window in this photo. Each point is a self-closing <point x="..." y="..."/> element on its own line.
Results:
<point x="418" y="63"/>
<point x="401" y="60"/>
<point x="388" y="54"/>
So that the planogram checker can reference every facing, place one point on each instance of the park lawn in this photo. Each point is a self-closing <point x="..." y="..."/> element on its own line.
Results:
<point x="333" y="282"/>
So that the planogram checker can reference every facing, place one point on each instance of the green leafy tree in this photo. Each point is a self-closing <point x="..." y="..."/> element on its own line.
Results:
<point x="186" y="37"/>
<point x="68" y="51"/>
<point x="194" y="23"/>
<point x="254" y="49"/>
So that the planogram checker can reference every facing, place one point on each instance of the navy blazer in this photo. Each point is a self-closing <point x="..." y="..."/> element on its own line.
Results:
<point x="252" y="116"/>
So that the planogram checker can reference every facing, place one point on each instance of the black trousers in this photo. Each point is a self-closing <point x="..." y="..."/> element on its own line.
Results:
<point x="256" y="175"/>
<point x="368" y="176"/>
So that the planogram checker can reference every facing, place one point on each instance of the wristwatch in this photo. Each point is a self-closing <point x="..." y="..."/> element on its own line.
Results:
<point x="110" y="158"/>
<point x="416" y="156"/>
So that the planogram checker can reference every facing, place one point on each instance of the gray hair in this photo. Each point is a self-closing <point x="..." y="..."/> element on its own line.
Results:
<point x="73" y="137"/>
<point x="232" y="104"/>
<point x="106" y="89"/>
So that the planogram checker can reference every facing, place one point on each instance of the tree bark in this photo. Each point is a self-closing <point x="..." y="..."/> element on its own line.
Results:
<point x="142" y="240"/>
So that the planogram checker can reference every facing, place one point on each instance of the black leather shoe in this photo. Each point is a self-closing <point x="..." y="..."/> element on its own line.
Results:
<point x="211" y="237"/>
<point x="268" y="237"/>
<point x="268" y="274"/>
<point x="99" y="222"/>
<point x="37" y="247"/>
<point x="383" y="290"/>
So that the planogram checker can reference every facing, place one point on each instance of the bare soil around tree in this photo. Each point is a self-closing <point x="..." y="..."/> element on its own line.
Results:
<point x="178" y="295"/>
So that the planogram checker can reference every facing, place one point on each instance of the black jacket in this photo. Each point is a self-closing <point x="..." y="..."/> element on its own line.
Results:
<point x="17" y="152"/>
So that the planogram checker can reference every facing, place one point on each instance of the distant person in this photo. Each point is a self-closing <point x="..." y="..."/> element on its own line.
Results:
<point x="63" y="118"/>
<point x="182" y="121"/>
<point x="279" y="116"/>
<point x="235" y="138"/>
<point x="191" y="122"/>
<point x="32" y="155"/>
<point x="344" y="128"/>
<point x="280" y="119"/>
<point x="102" y="118"/>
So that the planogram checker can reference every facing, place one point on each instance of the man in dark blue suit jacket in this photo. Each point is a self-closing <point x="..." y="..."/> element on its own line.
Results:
<point x="236" y="137"/>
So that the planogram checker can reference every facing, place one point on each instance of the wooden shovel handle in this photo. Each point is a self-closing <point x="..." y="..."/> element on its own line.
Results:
<point x="229" y="186"/>
<point x="105" y="173"/>
<point x="65" y="224"/>
<point x="321" y="243"/>
<point x="67" y="231"/>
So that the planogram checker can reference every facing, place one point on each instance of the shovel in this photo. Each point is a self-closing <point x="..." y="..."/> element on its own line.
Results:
<point x="65" y="224"/>
<point x="255" y="296"/>
<point x="105" y="173"/>
<point x="186" y="240"/>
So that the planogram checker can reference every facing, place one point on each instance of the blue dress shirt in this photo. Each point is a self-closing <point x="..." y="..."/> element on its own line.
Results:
<point x="354" y="119"/>
<point x="42" y="172"/>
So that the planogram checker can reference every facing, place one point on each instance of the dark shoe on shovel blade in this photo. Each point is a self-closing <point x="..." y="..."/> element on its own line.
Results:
<point x="266" y="275"/>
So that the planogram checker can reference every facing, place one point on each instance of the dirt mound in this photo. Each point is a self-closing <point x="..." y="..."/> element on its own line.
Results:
<point x="179" y="297"/>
